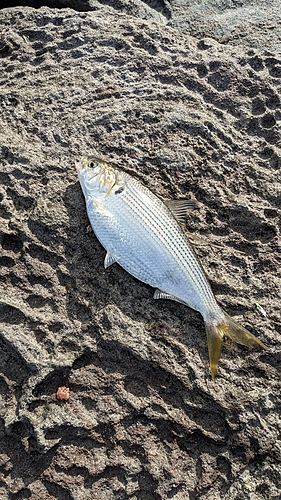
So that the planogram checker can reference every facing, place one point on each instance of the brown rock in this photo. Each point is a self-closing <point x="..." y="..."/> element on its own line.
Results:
<point x="187" y="118"/>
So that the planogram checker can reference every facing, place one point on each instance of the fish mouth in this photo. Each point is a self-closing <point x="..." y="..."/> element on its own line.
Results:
<point x="78" y="166"/>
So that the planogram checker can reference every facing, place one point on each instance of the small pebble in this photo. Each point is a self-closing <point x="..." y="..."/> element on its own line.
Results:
<point x="62" y="393"/>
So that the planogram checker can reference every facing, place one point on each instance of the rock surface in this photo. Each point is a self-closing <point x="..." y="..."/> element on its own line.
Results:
<point x="231" y="22"/>
<point x="188" y="117"/>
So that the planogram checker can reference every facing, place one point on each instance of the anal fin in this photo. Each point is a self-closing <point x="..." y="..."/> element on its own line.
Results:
<point x="158" y="294"/>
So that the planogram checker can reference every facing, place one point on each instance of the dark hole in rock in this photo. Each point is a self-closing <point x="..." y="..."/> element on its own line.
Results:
<point x="11" y="242"/>
<point x="268" y="121"/>
<point x="36" y="301"/>
<point x="10" y="314"/>
<point x="6" y="261"/>
<point x="20" y="429"/>
<point x="52" y="381"/>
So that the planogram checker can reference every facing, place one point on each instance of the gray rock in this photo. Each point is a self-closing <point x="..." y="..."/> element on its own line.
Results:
<point x="189" y="118"/>
<point x="231" y="22"/>
<point x="158" y="11"/>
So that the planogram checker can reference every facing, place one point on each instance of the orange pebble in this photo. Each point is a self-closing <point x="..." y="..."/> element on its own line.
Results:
<point x="62" y="393"/>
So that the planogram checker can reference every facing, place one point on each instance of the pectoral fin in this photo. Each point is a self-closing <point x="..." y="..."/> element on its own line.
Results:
<point x="109" y="259"/>
<point x="101" y="209"/>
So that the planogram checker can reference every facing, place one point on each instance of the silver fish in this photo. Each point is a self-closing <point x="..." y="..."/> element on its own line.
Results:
<point x="143" y="234"/>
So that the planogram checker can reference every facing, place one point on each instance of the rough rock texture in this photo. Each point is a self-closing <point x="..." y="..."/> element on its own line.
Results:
<point x="235" y="22"/>
<point x="156" y="10"/>
<point x="189" y="118"/>
<point x="251" y="23"/>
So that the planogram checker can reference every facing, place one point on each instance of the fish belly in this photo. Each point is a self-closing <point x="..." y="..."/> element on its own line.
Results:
<point x="153" y="253"/>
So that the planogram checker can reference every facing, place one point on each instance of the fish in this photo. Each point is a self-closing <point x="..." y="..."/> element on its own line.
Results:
<point x="144" y="234"/>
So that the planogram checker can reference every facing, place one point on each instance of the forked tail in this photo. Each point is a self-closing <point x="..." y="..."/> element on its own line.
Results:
<point x="229" y="328"/>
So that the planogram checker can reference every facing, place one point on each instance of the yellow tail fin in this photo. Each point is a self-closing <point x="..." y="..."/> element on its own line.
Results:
<point x="231" y="329"/>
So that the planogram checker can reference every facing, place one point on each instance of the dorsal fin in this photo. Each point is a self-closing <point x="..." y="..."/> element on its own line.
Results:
<point x="181" y="208"/>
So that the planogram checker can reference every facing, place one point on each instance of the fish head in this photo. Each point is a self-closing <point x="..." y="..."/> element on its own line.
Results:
<point x="95" y="176"/>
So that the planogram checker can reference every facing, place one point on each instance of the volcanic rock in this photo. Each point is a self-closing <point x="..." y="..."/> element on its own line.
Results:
<point x="189" y="117"/>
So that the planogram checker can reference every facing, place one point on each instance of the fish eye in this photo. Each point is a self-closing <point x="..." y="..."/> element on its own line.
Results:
<point x="91" y="164"/>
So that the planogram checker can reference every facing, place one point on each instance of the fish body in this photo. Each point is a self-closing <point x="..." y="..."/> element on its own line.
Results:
<point x="142" y="233"/>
